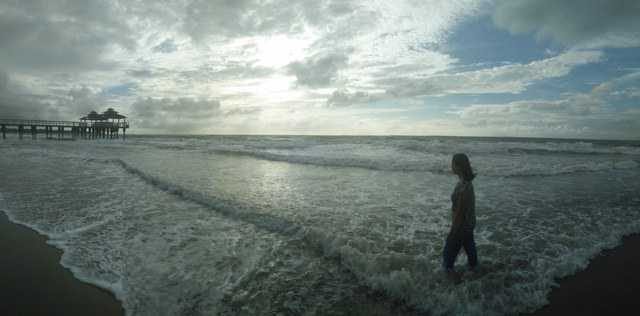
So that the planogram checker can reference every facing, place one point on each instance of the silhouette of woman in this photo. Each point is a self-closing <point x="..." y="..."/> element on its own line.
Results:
<point x="463" y="206"/>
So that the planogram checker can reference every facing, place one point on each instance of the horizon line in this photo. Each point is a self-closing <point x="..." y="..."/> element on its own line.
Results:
<point x="397" y="135"/>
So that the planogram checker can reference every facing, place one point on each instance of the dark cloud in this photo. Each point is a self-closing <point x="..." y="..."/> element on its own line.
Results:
<point x="26" y="107"/>
<point x="71" y="105"/>
<point x="80" y="101"/>
<point x="318" y="71"/>
<point x="242" y="111"/>
<point x="592" y="23"/>
<point x="17" y="102"/>
<point x="343" y="97"/>
<point x="16" y="105"/>
<point x="4" y="81"/>
<point x="140" y="73"/>
<point x="339" y="8"/>
<point x="60" y="34"/>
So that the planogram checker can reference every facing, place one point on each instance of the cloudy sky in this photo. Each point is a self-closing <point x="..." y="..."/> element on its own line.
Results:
<point x="406" y="67"/>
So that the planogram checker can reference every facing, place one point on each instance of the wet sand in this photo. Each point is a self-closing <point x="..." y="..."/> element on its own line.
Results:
<point x="32" y="281"/>
<point x="608" y="286"/>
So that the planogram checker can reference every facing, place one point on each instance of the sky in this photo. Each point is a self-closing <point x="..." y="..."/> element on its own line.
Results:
<point x="523" y="68"/>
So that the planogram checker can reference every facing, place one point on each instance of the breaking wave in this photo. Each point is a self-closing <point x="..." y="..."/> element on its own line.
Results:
<point x="438" y="163"/>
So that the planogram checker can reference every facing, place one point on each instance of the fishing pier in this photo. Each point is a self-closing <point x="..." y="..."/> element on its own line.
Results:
<point x="107" y="125"/>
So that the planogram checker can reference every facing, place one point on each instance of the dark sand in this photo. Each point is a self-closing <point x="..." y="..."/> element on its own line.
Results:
<point x="610" y="285"/>
<point x="32" y="281"/>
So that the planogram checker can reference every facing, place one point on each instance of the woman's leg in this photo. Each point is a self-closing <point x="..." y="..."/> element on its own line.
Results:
<point x="469" y="245"/>
<point x="451" y="248"/>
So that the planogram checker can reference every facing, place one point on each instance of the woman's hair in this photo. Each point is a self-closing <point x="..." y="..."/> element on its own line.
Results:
<point x="461" y="161"/>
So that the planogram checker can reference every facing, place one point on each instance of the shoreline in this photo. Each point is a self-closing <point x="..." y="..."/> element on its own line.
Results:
<point x="609" y="285"/>
<point x="33" y="281"/>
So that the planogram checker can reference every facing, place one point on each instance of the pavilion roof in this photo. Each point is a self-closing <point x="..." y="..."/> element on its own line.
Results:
<point x="110" y="113"/>
<point x="94" y="116"/>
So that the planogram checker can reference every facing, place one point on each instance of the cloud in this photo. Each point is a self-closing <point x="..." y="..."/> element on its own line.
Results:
<point x="533" y="117"/>
<point x="584" y="23"/>
<point x="82" y="100"/>
<point x="166" y="47"/>
<point x="140" y="73"/>
<point x="594" y="114"/>
<point x="4" y="81"/>
<point x="17" y="105"/>
<point x="124" y="89"/>
<point x="566" y="118"/>
<point x="182" y="115"/>
<point x="58" y="97"/>
<point x="226" y="71"/>
<point x="248" y="52"/>
<point x="207" y="18"/>
<point x="242" y="111"/>
<point x="343" y="97"/>
<point x="54" y="35"/>
<point x="627" y="86"/>
<point x="512" y="78"/>
<point x="26" y="107"/>
<point x="524" y="110"/>
<point x="318" y="71"/>
<point x="278" y="65"/>
<point x="69" y="105"/>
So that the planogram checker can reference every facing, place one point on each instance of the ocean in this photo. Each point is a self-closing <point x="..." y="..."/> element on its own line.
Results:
<point x="306" y="225"/>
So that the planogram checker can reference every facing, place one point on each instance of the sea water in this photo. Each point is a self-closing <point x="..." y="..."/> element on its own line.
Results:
<point x="295" y="225"/>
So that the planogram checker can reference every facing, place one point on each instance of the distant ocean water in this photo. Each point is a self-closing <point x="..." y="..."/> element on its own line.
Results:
<point x="199" y="225"/>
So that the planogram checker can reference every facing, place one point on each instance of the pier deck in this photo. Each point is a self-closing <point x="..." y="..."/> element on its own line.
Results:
<point x="62" y="129"/>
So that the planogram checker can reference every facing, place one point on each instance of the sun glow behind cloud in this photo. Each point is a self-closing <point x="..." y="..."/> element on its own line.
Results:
<point x="276" y="51"/>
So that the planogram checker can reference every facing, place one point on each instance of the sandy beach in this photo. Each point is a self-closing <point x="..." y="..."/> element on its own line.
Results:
<point x="34" y="283"/>
<point x="608" y="286"/>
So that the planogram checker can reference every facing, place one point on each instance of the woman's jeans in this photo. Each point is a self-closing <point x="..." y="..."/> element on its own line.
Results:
<point x="452" y="248"/>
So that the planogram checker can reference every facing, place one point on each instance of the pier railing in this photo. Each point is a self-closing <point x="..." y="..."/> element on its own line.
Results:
<point x="38" y="122"/>
<point x="18" y="122"/>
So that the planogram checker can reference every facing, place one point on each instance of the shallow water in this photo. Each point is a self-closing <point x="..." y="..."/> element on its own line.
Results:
<point x="319" y="225"/>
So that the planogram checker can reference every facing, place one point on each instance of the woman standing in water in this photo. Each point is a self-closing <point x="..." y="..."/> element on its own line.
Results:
<point x="463" y="207"/>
